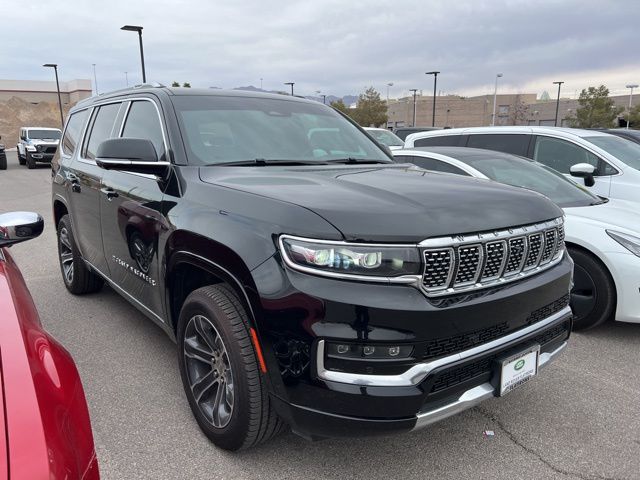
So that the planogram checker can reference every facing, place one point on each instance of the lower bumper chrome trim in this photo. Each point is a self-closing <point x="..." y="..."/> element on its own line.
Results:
<point x="419" y="372"/>
<point x="474" y="396"/>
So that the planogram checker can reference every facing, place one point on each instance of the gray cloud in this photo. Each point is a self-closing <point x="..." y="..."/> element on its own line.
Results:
<point x="334" y="46"/>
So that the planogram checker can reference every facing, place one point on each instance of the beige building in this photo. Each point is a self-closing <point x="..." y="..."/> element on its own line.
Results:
<point x="511" y="109"/>
<point x="36" y="91"/>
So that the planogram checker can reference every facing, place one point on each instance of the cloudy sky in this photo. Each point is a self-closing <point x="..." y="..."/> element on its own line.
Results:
<point x="336" y="46"/>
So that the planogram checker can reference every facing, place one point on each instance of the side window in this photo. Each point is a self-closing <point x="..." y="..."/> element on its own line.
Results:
<point x="439" y="141"/>
<point x="101" y="128"/>
<point x="561" y="155"/>
<point x="503" y="142"/>
<point x="143" y="122"/>
<point x="73" y="131"/>
<point x="433" y="164"/>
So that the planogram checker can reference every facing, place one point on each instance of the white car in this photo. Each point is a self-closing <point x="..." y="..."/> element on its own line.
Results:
<point x="602" y="236"/>
<point x="615" y="161"/>
<point x="37" y="144"/>
<point x="385" y="137"/>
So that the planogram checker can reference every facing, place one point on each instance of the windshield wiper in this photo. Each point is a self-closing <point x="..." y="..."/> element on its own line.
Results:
<point x="262" y="162"/>
<point x="352" y="161"/>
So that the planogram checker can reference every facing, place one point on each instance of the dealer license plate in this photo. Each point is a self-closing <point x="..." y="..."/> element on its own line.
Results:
<point x="518" y="369"/>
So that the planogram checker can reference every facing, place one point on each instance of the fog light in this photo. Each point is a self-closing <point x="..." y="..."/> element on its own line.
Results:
<point x="394" y="351"/>
<point x="342" y="349"/>
<point x="368" y="350"/>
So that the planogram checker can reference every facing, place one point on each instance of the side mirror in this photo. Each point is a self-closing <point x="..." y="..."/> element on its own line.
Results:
<point x="584" y="170"/>
<point x="135" y="155"/>
<point x="16" y="227"/>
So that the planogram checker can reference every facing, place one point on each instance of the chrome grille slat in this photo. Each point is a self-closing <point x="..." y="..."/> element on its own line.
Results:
<point x="469" y="262"/>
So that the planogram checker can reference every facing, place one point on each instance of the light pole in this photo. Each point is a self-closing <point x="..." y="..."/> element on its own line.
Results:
<point x="260" y="83"/>
<point x="631" y="87"/>
<point x="55" y="69"/>
<point x="95" y="78"/>
<point x="555" y="124"/>
<point x="292" y="84"/>
<point x="435" y="81"/>
<point x="390" y="84"/>
<point x="135" y="28"/>
<point x="324" y="99"/>
<point x="414" y="90"/>
<point x="126" y="78"/>
<point x="495" y="95"/>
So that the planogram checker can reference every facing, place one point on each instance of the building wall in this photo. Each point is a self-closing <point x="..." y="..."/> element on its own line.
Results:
<point x="35" y="91"/>
<point x="512" y="109"/>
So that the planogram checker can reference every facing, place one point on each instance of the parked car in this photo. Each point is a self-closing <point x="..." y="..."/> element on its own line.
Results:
<point x="37" y="144"/>
<point x="603" y="236"/>
<point x="613" y="168"/>
<point x="307" y="279"/>
<point x="385" y="137"/>
<point x="627" y="134"/>
<point x="3" y="156"/>
<point x="44" y="418"/>
<point x="402" y="132"/>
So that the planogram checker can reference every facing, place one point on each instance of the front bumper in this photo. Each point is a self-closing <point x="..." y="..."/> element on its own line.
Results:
<point x="302" y="314"/>
<point x="42" y="157"/>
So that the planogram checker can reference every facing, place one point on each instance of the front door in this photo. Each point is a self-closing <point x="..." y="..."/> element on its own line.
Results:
<point x="561" y="155"/>
<point x="132" y="218"/>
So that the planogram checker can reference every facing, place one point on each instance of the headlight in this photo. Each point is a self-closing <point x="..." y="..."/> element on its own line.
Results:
<point x="31" y="148"/>
<point x="629" y="242"/>
<point x="344" y="259"/>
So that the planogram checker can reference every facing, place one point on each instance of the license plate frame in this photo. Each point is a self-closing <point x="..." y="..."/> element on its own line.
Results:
<point x="518" y="368"/>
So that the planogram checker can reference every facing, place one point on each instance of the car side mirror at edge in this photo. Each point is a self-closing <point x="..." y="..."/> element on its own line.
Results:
<point x="134" y="155"/>
<point x="16" y="227"/>
<point x="584" y="170"/>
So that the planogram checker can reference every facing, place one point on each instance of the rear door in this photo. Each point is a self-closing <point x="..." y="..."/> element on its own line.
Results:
<point x="85" y="177"/>
<point x="561" y="155"/>
<point x="131" y="214"/>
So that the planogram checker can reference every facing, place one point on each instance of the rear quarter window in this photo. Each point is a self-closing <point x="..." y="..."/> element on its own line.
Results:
<point x="73" y="132"/>
<point x="438" y="141"/>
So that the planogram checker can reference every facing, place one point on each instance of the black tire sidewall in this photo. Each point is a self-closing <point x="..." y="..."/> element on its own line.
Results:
<point x="231" y="436"/>
<point x="31" y="163"/>
<point x="605" y="292"/>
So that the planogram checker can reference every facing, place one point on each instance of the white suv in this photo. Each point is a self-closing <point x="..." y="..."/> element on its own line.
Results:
<point x="612" y="163"/>
<point x="37" y="144"/>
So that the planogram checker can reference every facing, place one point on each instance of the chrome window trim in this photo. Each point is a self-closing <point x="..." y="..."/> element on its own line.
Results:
<point x="416" y="374"/>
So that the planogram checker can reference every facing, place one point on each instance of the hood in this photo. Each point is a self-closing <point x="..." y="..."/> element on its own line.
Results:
<point x="39" y="141"/>
<point x="620" y="215"/>
<point x="390" y="203"/>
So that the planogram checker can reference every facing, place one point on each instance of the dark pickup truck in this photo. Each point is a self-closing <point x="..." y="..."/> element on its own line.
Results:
<point x="307" y="279"/>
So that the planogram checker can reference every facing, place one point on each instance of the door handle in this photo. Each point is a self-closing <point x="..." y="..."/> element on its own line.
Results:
<point x="109" y="192"/>
<point x="74" y="181"/>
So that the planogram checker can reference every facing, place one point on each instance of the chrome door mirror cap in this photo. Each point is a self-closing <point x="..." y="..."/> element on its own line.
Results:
<point x="16" y="227"/>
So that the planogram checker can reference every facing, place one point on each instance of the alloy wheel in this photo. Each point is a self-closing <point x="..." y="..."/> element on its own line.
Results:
<point x="209" y="371"/>
<point x="66" y="255"/>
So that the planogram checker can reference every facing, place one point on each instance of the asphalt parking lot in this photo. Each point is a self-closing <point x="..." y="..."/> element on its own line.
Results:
<point x="579" y="419"/>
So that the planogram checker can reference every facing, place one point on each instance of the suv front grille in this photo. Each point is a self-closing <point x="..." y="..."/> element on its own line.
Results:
<point x="468" y="262"/>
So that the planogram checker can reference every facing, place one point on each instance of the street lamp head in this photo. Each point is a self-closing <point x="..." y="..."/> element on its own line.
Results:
<point x="132" y="28"/>
<point x="558" y="83"/>
<point x="498" y="75"/>
<point x="632" y="86"/>
<point x="432" y="73"/>
<point x="390" y="84"/>
<point x="52" y="65"/>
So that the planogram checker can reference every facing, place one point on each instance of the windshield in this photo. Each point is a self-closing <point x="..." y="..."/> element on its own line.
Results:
<point x="44" y="134"/>
<point x="624" y="150"/>
<point x="220" y="129"/>
<point x="385" y="137"/>
<point x="536" y="177"/>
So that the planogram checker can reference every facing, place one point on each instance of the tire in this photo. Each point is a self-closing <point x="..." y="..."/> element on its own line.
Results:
<point x="21" y="159"/>
<point x="31" y="163"/>
<point x="593" y="297"/>
<point x="213" y="315"/>
<point x="3" y="161"/>
<point x="76" y="275"/>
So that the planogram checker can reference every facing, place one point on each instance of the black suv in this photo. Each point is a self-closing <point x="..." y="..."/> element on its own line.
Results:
<point x="307" y="279"/>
